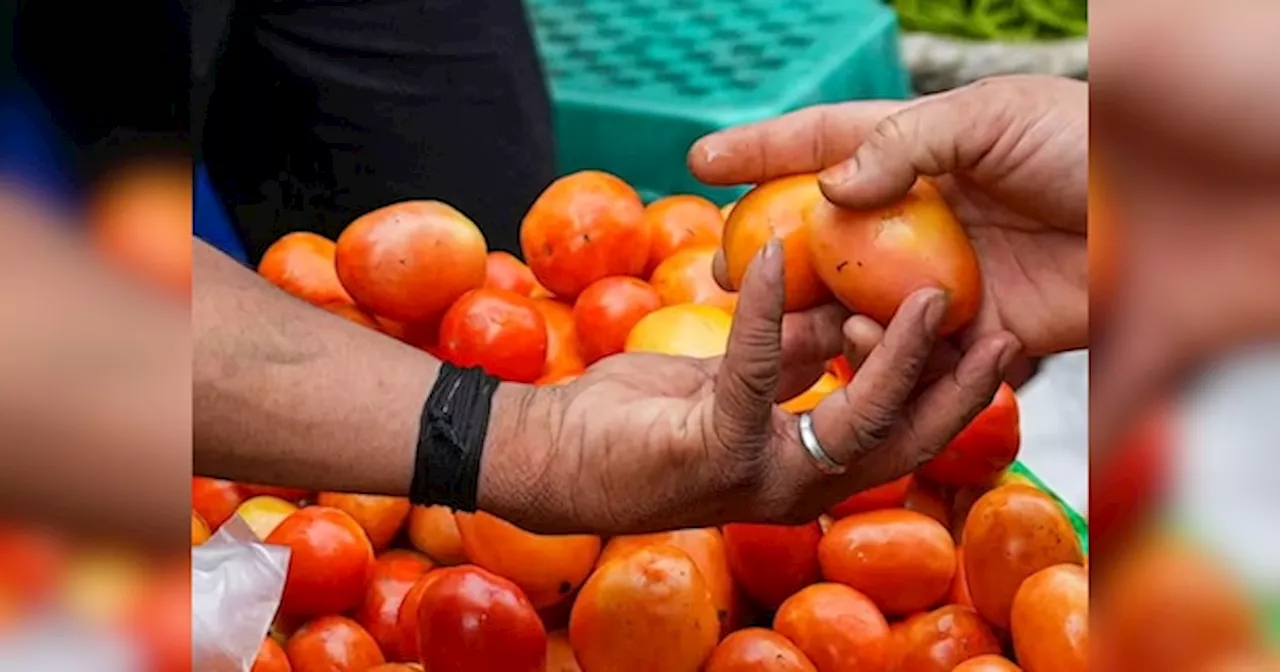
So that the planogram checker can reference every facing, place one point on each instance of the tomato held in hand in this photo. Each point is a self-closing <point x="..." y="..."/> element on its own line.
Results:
<point x="332" y="644"/>
<point x="984" y="449"/>
<point x="904" y="561"/>
<point x="394" y="574"/>
<point x="473" y="621"/>
<point x="301" y="263"/>
<point x="564" y="353"/>
<point x="606" y="311"/>
<point x="380" y="516"/>
<point x="838" y="628"/>
<point x="888" y="496"/>
<point x="504" y="271"/>
<point x="434" y="531"/>
<point x="685" y="277"/>
<point x="943" y="638"/>
<point x="772" y="562"/>
<point x="271" y="658"/>
<point x="758" y="650"/>
<point x="215" y="500"/>
<point x="677" y="223"/>
<point x="548" y="568"/>
<point x="329" y="562"/>
<point x="502" y="332"/>
<point x="1050" y="620"/>
<point x="777" y="209"/>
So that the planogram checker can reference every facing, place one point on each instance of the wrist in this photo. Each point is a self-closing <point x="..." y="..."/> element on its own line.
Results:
<point x="519" y="436"/>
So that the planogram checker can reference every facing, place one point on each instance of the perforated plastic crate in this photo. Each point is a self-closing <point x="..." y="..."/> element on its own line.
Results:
<point x="635" y="82"/>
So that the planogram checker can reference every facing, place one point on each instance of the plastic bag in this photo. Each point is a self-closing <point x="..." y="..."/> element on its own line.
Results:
<point x="236" y="584"/>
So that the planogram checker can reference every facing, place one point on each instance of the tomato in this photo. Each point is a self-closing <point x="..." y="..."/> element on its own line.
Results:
<point x="583" y="228"/>
<point x="215" y="500"/>
<point x="548" y="568"/>
<point x="473" y="621"/>
<point x="727" y="209"/>
<point x="838" y="628"/>
<point x="677" y="223"/>
<point x="393" y="575"/>
<point x="329" y="564"/>
<point x="560" y="656"/>
<point x="396" y="667"/>
<point x="959" y="593"/>
<point x="504" y="271"/>
<point x="352" y="313"/>
<point x="381" y="516"/>
<point x="888" y="496"/>
<point x="502" y="332"/>
<point x="904" y="561"/>
<point x="407" y="620"/>
<point x="929" y="498"/>
<point x="1130" y="481"/>
<point x="292" y="495"/>
<point x="872" y="260"/>
<point x="758" y="650"/>
<point x="140" y="217"/>
<point x="410" y="261"/>
<point x="557" y="378"/>
<point x="263" y="514"/>
<point x="301" y="263"/>
<point x="685" y="277"/>
<point x="810" y="398"/>
<point x="270" y="658"/>
<point x="158" y="618"/>
<point x="332" y="644"/>
<point x="1050" y="620"/>
<point x="646" y="610"/>
<point x="840" y="368"/>
<point x="962" y="503"/>
<point x="1013" y="532"/>
<point x="199" y="529"/>
<point x="564" y="354"/>
<point x="771" y="562"/>
<point x="688" y="330"/>
<point x="777" y="209"/>
<point x="433" y="530"/>
<point x="984" y="449"/>
<point x="606" y="311"/>
<point x="941" y="639"/>
<point x="989" y="663"/>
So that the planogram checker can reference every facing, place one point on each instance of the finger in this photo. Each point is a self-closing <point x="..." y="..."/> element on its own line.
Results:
<point x="861" y="417"/>
<point x="801" y="142"/>
<point x="747" y="380"/>
<point x="862" y="335"/>
<point x="720" y="271"/>
<point x="809" y="339"/>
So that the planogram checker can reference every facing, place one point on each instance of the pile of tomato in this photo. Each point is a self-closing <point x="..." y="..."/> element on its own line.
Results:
<point x="958" y="566"/>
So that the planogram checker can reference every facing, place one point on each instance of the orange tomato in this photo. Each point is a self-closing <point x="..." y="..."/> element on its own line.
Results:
<point x="984" y="449"/>
<point x="329" y="564"/>
<point x="646" y="610"/>
<point x="140" y="217"/>
<point x="393" y="575"/>
<point x="959" y="593"/>
<point x="606" y="311"/>
<point x="771" y="562"/>
<point x="504" y="271"/>
<point x="564" y="355"/>
<point x="904" y="561"/>
<point x="585" y="227"/>
<point x="271" y="658"/>
<point x="199" y="529"/>
<point x="332" y="644"/>
<point x="560" y="656"/>
<point x="473" y="621"/>
<point x="810" y="398"/>
<point x="989" y="663"/>
<point x="548" y="568"/>
<point x="777" y="209"/>
<point x="381" y="516"/>
<point x="500" y="331"/>
<point x="292" y="495"/>
<point x="215" y="500"/>
<point x="264" y="513"/>
<point x="929" y="498"/>
<point x="301" y="263"/>
<point x="688" y="330"/>
<point x="838" y="628"/>
<point x="839" y="367"/>
<point x="685" y="277"/>
<point x="433" y="530"/>
<point x="943" y="638"/>
<point x="352" y="313"/>
<point x="872" y="260"/>
<point x="888" y="496"/>
<point x="1050" y="620"/>
<point x="410" y="261"/>
<point x="678" y="223"/>
<point x="1011" y="533"/>
<point x="758" y="650"/>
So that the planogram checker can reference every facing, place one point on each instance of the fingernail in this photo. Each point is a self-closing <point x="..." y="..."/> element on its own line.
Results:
<point x="935" y="309"/>
<point x="840" y="173"/>
<point x="773" y="249"/>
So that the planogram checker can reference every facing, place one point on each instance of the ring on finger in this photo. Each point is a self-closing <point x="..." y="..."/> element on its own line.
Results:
<point x="825" y="463"/>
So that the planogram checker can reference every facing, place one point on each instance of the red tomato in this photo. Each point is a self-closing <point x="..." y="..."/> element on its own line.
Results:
<point x="1130" y="481"/>
<point x="941" y="639"/>
<point x="500" y="331"/>
<point x="215" y="500"/>
<point x="293" y="495"/>
<point x="772" y="562"/>
<point x="959" y="593"/>
<point x="904" y="561"/>
<point x="547" y="568"/>
<point x="840" y="368"/>
<point x="678" y="223"/>
<point x="271" y="658"/>
<point x="837" y="627"/>
<point x="504" y="271"/>
<point x="758" y="650"/>
<point x="407" y="621"/>
<point x="380" y="516"/>
<point x="1050" y="620"/>
<point x="474" y="621"/>
<point x="607" y="310"/>
<point x="332" y="644"/>
<point x="929" y="498"/>
<point x="394" y="575"/>
<point x="330" y="561"/>
<point x="984" y="449"/>
<point x="888" y="496"/>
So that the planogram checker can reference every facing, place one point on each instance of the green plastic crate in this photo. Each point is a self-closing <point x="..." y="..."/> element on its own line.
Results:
<point x="636" y="82"/>
<point x="1077" y="521"/>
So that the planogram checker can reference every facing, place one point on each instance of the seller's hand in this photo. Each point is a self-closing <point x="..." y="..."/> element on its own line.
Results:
<point x="646" y="442"/>
<point x="1009" y="154"/>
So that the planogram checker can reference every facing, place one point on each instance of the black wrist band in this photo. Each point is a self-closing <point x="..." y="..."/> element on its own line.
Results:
<point x="455" y="420"/>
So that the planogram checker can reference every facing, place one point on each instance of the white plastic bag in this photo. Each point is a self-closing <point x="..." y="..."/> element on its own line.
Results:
<point x="236" y="584"/>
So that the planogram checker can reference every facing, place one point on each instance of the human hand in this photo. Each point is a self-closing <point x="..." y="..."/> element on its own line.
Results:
<point x="647" y="442"/>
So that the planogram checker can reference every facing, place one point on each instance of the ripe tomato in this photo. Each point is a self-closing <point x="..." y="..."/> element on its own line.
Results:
<point x="502" y="332"/>
<point x="330" y="561"/>
<point x="548" y="568"/>
<point x="685" y="277"/>
<point x="381" y="517"/>
<point x="583" y="228"/>
<point x="291" y="495"/>
<point x="271" y="658"/>
<point x="564" y="354"/>
<point x="1050" y="620"/>
<point x="199" y="529"/>
<point x="433" y="530"/>
<point x="872" y="260"/>
<point x="771" y="562"/>
<point x="473" y="621"/>
<point x="838" y="628"/>
<point x="332" y="644"/>
<point x="959" y="593"/>
<point x="394" y="574"/>
<point x="943" y="638"/>
<point x="396" y="667"/>
<point x="560" y="656"/>
<point x="606" y="311"/>
<point x="1013" y="532"/>
<point x="352" y="313"/>
<point x="410" y="261"/>
<point x="215" y="500"/>
<point x="301" y="263"/>
<point x="407" y="620"/>
<point x="678" y="223"/>
<point x="810" y="398"/>
<point x="688" y="330"/>
<point x="1130" y="481"/>
<point x="927" y="497"/>
<point x="777" y="209"/>
<point x="263" y="514"/>
<point x="646" y="610"/>
<point x="888" y="496"/>
<point x="140" y="217"/>
<point x="989" y="663"/>
<point x="984" y="449"/>
<point x="504" y="271"/>
<point x="904" y="561"/>
<point x="758" y="650"/>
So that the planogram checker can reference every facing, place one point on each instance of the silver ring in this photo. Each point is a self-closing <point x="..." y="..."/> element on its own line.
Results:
<point x="809" y="440"/>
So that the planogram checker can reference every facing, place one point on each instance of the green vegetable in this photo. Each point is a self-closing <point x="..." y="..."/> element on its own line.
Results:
<point x="1003" y="20"/>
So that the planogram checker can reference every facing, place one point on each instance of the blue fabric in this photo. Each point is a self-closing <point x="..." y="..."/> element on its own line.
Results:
<point x="29" y="152"/>
<point x="211" y="223"/>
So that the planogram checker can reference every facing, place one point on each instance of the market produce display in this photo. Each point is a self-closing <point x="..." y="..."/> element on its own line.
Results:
<point x="961" y="565"/>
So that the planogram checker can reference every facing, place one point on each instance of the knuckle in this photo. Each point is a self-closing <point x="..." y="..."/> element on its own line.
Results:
<point x="872" y="422"/>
